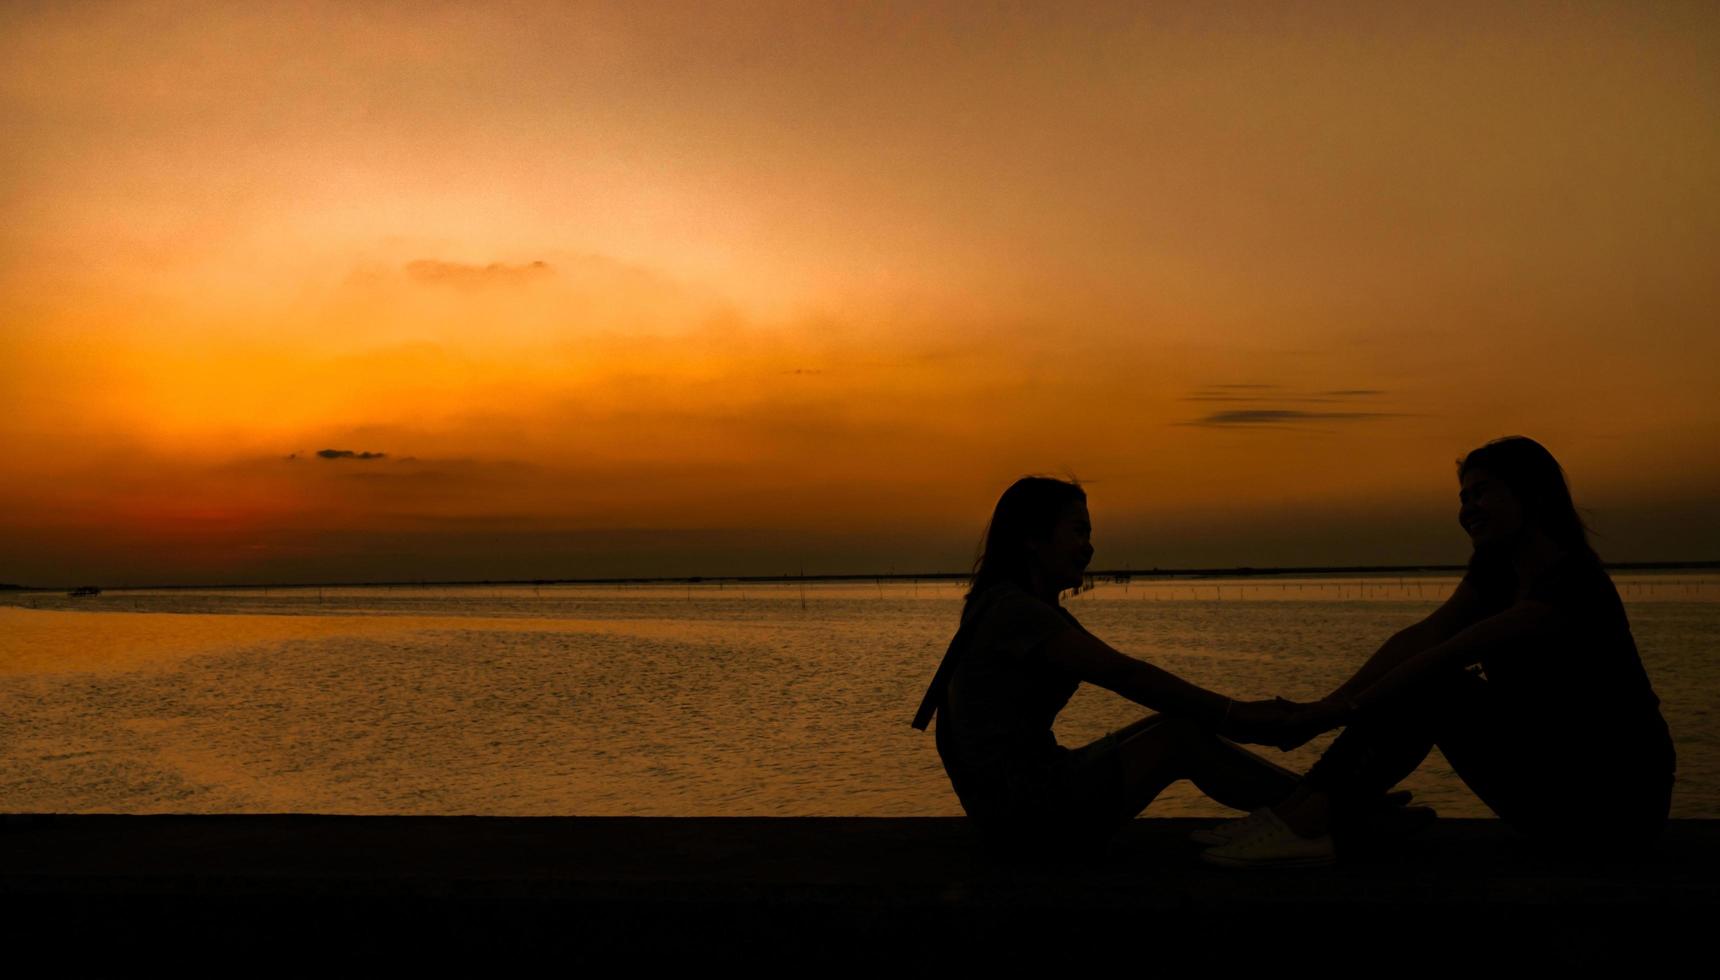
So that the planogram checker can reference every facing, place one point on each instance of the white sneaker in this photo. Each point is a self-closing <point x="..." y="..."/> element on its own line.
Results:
<point x="1272" y="844"/>
<point x="1230" y="830"/>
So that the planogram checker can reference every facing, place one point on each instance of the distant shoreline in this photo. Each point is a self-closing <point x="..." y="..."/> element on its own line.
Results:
<point x="1098" y="575"/>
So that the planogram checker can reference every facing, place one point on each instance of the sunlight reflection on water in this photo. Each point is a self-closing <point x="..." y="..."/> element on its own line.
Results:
<point x="665" y="700"/>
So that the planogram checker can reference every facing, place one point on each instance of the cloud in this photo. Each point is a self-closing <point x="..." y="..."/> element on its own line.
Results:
<point x="1353" y="392"/>
<point x="1285" y="416"/>
<point x="436" y="272"/>
<point x="348" y="454"/>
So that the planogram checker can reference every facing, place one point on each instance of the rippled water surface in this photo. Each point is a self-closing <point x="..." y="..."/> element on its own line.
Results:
<point x="661" y="700"/>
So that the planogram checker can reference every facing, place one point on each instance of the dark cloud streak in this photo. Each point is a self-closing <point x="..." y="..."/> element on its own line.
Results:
<point x="1301" y="400"/>
<point x="1270" y="401"/>
<point x="1285" y="416"/>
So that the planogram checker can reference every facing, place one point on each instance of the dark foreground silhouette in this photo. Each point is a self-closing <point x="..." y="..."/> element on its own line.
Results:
<point x="266" y="893"/>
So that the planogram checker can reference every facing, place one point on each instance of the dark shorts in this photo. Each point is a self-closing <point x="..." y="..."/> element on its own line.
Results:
<point x="1068" y="806"/>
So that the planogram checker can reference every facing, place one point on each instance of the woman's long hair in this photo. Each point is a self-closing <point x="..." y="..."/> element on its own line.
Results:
<point x="1538" y="482"/>
<point x="1028" y="509"/>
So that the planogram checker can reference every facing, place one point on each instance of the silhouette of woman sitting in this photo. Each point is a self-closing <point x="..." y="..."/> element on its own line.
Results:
<point x="1016" y="661"/>
<point x="1527" y="679"/>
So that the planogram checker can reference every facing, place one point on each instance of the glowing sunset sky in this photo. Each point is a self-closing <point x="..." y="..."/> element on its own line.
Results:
<point x="574" y="290"/>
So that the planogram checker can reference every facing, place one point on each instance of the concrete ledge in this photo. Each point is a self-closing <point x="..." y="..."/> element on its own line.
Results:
<point x="811" y="892"/>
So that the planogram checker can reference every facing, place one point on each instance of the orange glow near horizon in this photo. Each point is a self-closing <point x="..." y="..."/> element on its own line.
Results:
<point x="694" y="290"/>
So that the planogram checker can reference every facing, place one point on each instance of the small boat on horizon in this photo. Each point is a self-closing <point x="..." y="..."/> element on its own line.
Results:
<point x="84" y="590"/>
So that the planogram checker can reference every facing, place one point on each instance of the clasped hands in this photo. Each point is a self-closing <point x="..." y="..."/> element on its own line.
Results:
<point x="1280" y="723"/>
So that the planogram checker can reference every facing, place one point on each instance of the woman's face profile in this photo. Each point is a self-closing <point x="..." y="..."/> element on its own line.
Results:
<point x="1064" y="554"/>
<point x="1488" y="510"/>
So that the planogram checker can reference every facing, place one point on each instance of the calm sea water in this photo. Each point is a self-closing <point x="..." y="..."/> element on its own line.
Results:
<point x="662" y="700"/>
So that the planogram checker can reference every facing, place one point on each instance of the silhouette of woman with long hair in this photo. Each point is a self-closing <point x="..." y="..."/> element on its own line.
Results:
<point x="1015" y="662"/>
<point x="1527" y="679"/>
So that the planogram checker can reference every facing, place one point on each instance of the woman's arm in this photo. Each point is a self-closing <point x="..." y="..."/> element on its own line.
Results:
<point x="1400" y="667"/>
<point x="1506" y="629"/>
<point x="1457" y="612"/>
<point x="1094" y="661"/>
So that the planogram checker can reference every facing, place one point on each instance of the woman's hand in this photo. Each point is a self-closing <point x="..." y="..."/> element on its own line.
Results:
<point x="1309" y="720"/>
<point x="1283" y="724"/>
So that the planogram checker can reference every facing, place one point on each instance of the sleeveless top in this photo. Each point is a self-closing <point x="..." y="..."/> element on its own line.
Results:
<point x="1582" y="677"/>
<point x="999" y="699"/>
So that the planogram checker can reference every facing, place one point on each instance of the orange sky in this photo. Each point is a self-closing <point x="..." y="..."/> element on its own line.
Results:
<point x="748" y="288"/>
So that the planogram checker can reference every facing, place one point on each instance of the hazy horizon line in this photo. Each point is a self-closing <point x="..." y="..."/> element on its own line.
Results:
<point x="1114" y="574"/>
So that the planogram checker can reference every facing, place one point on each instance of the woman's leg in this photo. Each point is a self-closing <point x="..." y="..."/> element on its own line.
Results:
<point x="1603" y="796"/>
<point x="1373" y="755"/>
<point x="1159" y="750"/>
<point x="1488" y="752"/>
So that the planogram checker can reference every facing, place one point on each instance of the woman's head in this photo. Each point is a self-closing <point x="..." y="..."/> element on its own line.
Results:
<point x="1038" y="534"/>
<point x="1512" y="487"/>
